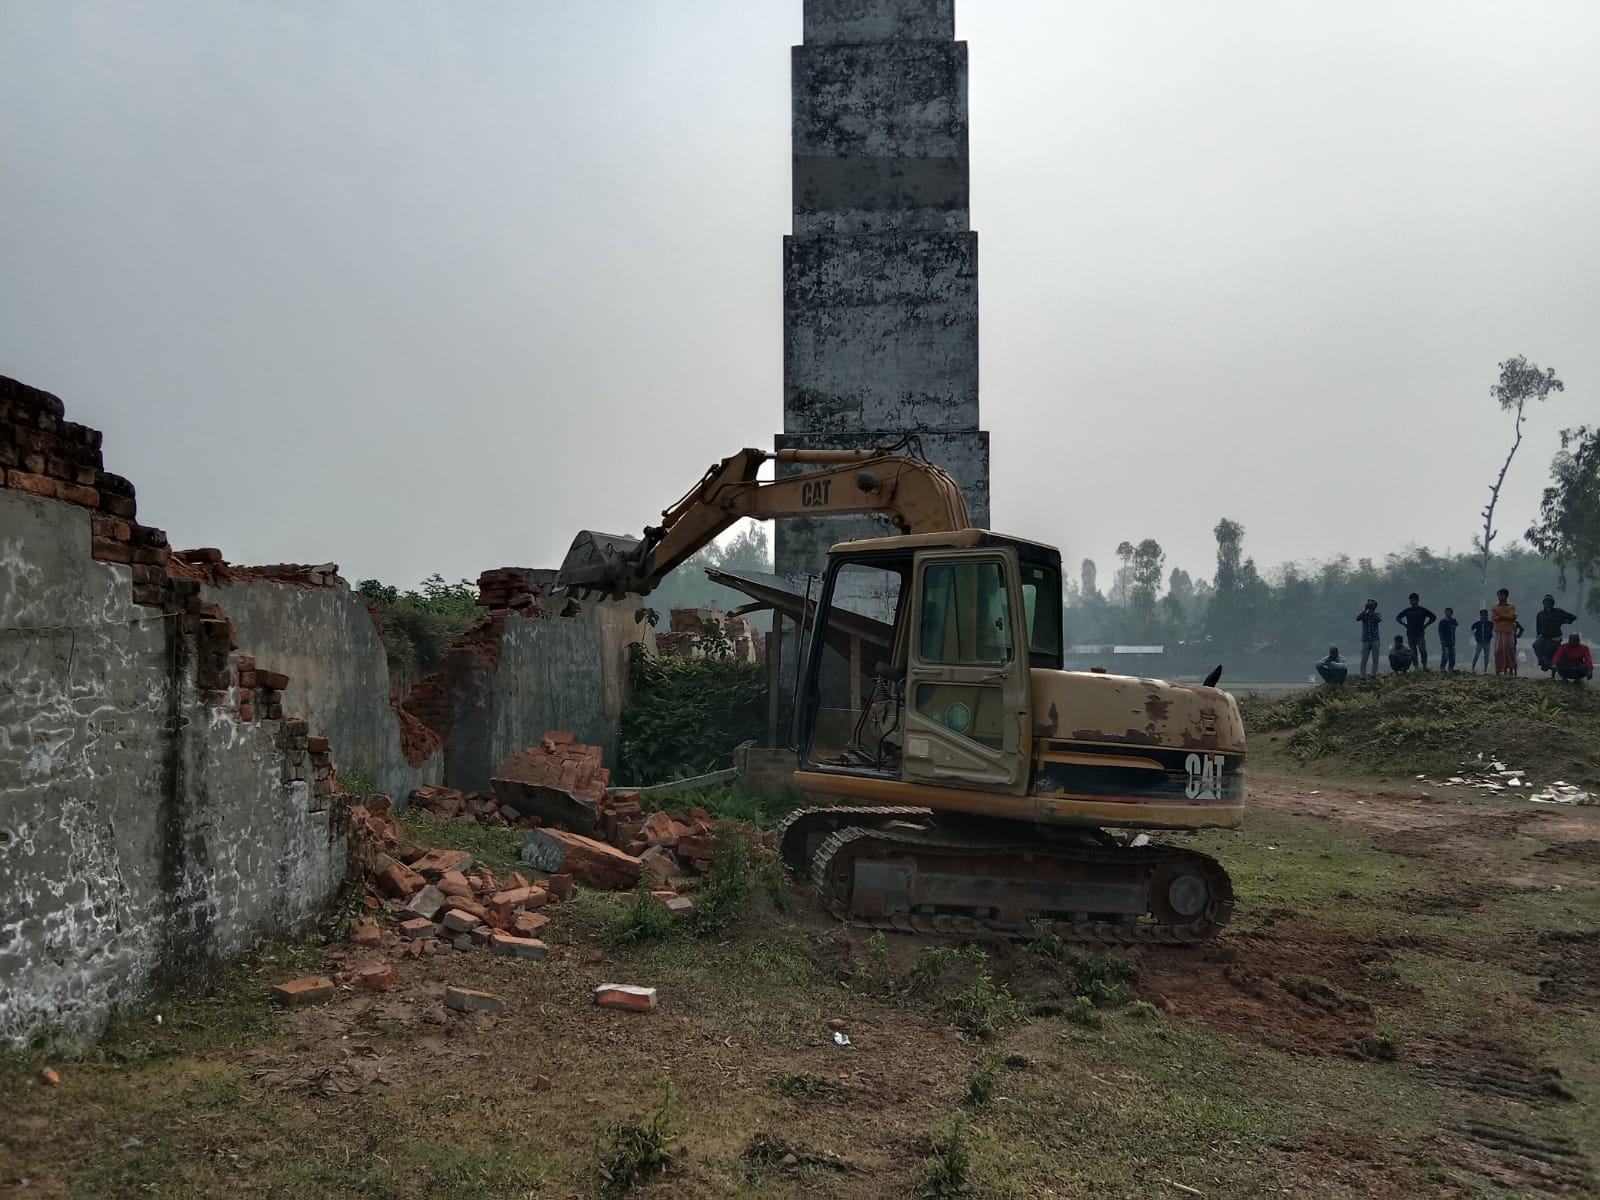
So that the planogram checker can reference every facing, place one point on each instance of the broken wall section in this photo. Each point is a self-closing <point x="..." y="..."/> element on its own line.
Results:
<point x="310" y="625"/>
<point x="147" y="831"/>
<point x="533" y="663"/>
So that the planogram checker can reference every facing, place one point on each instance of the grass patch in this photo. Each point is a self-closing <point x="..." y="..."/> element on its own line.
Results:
<point x="729" y="802"/>
<point x="980" y="1084"/>
<point x="490" y="846"/>
<point x="641" y="919"/>
<point x="1426" y="722"/>
<point x="1104" y="979"/>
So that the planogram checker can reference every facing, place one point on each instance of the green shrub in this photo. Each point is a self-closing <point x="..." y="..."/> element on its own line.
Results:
<point x="982" y="1006"/>
<point x="685" y="716"/>
<point x="944" y="1171"/>
<point x="1103" y="979"/>
<point x="980" y="1084"/>
<point x="642" y="919"/>
<point x="726" y="893"/>
<point x="629" y="1152"/>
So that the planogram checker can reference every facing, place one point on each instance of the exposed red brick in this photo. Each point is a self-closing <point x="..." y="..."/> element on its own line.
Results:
<point x="303" y="991"/>
<point x="374" y="977"/>
<point x="276" y="680"/>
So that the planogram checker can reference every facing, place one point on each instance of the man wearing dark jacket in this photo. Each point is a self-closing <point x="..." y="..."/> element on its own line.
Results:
<point x="1416" y="619"/>
<point x="1547" y="623"/>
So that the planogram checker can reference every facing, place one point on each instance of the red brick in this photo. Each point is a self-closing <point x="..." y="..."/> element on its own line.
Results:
<point x="151" y="594"/>
<point x="560" y="885"/>
<point x="110" y="529"/>
<point x="505" y="905"/>
<point x="374" y="977"/>
<point x="148" y="574"/>
<point x="318" y="745"/>
<point x="454" y="883"/>
<point x="309" y="990"/>
<point x="117" y="506"/>
<point x="398" y="880"/>
<point x="437" y="862"/>
<point x="625" y="996"/>
<point x="529" y="924"/>
<point x="26" y="481"/>
<point x="467" y="1000"/>
<point x="276" y="680"/>
<point x="247" y="680"/>
<point x="50" y="1077"/>
<point x="112" y="552"/>
<point x="364" y="931"/>
<point x="416" y="927"/>
<point x="247" y="712"/>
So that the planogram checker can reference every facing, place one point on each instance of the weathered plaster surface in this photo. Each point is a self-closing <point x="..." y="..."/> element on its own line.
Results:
<point x="857" y="21"/>
<point x="144" y="836"/>
<point x="880" y="279"/>
<point x="566" y="673"/>
<point x="325" y="641"/>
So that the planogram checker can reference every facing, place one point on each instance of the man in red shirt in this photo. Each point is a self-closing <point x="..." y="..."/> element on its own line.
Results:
<point x="1572" y="660"/>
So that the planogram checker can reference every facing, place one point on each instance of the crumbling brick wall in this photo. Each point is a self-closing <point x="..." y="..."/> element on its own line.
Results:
<point x="534" y="662"/>
<point x="158" y="811"/>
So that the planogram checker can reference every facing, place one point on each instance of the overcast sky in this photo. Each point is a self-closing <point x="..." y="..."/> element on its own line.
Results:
<point x="430" y="286"/>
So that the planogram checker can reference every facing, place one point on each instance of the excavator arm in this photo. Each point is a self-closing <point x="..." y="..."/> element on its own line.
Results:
<point x="915" y="495"/>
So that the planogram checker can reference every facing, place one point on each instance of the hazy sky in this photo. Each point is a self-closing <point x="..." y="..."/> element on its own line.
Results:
<point x="430" y="286"/>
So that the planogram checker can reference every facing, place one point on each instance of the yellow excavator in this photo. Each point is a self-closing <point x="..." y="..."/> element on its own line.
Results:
<point x="986" y="780"/>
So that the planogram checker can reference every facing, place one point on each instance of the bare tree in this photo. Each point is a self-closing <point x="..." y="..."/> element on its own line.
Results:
<point x="1520" y="382"/>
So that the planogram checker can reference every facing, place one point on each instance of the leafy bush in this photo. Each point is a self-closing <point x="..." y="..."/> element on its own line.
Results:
<point x="1103" y="979"/>
<point x="980" y="1084"/>
<point x="419" y="625"/>
<point x="629" y="1152"/>
<point x="726" y="893"/>
<point x="641" y="919"/>
<point x="982" y="1006"/>
<point x="686" y="715"/>
<point x="944" y="1171"/>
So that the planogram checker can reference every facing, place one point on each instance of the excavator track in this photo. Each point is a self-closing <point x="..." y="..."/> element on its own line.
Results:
<point x="933" y="881"/>
<point x="802" y="831"/>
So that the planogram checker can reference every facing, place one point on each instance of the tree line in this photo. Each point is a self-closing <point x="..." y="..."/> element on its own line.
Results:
<point x="1277" y="620"/>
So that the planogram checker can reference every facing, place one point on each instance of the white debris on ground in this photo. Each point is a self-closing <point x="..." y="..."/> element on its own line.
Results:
<point x="1496" y="778"/>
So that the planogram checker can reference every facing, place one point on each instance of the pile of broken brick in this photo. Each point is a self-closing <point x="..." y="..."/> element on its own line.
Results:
<point x="438" y="902"/>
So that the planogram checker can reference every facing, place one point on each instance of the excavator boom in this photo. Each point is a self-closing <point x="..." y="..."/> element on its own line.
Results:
<point x="915" y="495"/>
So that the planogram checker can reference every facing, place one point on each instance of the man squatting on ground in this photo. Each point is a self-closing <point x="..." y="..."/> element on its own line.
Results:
<point x="1416" y="619"/>
<point x="1400" y="656"/>
<point x="1547" y="623"/>
<point x="1572" y="660"/>
<point x="1333" y="669"/>
<point x="1371" y="627"/>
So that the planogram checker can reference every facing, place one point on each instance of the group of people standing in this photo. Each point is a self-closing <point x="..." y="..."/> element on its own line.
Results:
<point x="1495" y="635"/>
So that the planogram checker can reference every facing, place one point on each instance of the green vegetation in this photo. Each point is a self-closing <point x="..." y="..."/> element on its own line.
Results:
<point x="1104" y="979"/>
<point x="491" y="846"/>
<point x="1424" y="722"/>
<point x="419" y="625"/>
<point x="720" y="902"/>
<point x="1261" y="1072"/>
<point x="980" y="1084"/>
<point x="641" y="919"/>
<point x="945" y="1169"/>
<point x="982" y="1006"/>
<point x="729" y="802"/>
<point x="630" y="1151"/>
<point x="684" y="716"/>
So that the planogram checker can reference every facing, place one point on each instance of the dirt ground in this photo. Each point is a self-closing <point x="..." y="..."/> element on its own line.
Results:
<point x="1407" y="1004"/>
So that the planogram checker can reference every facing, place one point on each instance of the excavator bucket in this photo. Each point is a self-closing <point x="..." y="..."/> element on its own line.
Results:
<point x="604" y="563"/>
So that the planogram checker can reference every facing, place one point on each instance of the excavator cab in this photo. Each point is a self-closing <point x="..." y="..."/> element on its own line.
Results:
<point x="918" y="662"/>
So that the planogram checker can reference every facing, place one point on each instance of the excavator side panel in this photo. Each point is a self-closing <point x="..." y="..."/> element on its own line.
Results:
<point x="967" y="703"/>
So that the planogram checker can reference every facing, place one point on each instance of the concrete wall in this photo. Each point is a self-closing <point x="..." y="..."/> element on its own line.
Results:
<point x="323" y="638"/>
<point x="551" y="672"/>
<point x="145" y="833"/>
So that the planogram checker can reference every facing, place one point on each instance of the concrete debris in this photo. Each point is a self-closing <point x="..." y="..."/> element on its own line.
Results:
<point x="627" y="996"/>
<point x="467" y="1000"/>
<point x="1497" y="777"/>
<point x="426" y="903"/>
